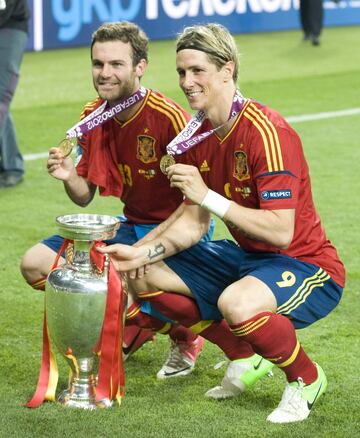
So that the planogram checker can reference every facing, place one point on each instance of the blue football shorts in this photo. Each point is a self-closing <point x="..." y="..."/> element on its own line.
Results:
<point x="127" y="234"/>
<point x="304" y="292"/>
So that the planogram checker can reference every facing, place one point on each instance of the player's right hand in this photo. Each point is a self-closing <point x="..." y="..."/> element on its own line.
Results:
<point x="58" y="166"/>
<point x="126" y="258"/>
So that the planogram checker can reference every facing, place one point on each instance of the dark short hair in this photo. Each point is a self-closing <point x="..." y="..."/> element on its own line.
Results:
<point x="127" y="33"/>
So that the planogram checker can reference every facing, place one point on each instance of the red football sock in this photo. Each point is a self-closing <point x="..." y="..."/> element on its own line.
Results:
<point x="178" y="333"/>
<point x="39" y="284"/>
<point x="184" y="310"/>
<point x="274" y="338"/>
<point x="134" y="316"/>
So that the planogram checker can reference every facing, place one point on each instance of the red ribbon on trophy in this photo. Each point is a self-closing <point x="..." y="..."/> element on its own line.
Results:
<point x="111" y="378"/>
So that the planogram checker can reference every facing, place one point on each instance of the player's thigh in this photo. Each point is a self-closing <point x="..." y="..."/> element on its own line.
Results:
<point x="160" y="277"/>
<point x="304" y="292"/>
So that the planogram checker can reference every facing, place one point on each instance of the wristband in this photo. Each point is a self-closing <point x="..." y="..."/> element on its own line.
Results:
<point x="216" y="203"/>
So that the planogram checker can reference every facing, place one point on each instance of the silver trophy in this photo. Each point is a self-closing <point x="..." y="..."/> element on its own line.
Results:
<point x="75" y="299"/>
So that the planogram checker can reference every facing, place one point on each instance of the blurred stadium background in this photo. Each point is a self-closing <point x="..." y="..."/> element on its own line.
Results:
<point x="58" y="23"/>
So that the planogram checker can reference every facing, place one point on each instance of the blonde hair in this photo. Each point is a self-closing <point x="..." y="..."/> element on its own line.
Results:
<point x="213" y="39"/>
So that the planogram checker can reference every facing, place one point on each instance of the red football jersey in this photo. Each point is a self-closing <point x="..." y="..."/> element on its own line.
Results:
<point x="260" y="164"/>
<point x="123" y="158"/>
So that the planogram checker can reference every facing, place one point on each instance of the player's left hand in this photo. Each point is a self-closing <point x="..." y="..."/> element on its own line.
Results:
<point x="189" y="181"/>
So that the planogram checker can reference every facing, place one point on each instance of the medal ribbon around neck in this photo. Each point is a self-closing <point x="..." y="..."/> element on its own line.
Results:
<point x="103" y="114"/>
<point x="97" y="118"/>
<point x="186" y="140"/>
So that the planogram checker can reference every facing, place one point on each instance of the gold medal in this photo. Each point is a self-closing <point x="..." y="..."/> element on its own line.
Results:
<point x="165" y="162"/>
<point x="66" y="146"/>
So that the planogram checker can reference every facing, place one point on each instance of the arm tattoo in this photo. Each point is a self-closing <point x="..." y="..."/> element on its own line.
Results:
<point x="156" y="251"/>
<point x="235" y="227"/>
<point x="232" y="225"/>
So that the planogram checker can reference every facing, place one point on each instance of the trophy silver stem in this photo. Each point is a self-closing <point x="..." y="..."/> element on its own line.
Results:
<point x="81" y="392"/>
<point x="81" y="257"/>
<point x="75" y="300"/>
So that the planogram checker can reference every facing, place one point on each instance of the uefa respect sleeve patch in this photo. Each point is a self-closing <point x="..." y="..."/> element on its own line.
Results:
<point x="267" y="195"/>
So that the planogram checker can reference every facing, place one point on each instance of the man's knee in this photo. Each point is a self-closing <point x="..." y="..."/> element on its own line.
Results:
<point x="28" y="266"/>
<point x="244" y="299"/>
<point x="232" y="305"/>
<point x="134" y="286"/>
<point x="160" y="277"/>
<point x="36" y="263"/>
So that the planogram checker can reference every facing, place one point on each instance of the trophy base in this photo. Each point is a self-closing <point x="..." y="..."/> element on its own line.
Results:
<point x="71" y="400"/>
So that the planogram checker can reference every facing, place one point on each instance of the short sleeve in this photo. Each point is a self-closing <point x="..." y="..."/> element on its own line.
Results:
<point x="277" y="167"/>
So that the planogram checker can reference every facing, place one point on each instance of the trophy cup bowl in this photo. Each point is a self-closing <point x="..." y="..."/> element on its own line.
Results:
<point x="75" y="300"/>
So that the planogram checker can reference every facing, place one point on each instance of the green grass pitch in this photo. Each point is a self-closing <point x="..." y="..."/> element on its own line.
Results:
<point x="277" y="69"/>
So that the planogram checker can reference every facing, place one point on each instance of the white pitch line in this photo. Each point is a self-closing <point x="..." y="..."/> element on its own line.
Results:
<point x="291" y="119"/>
<point x="319" y="116"/>
<point x="31" y="157"/>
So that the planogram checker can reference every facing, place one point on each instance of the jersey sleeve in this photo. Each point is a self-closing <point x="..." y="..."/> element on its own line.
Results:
<point x="82" y="149"/>
<point x="277" y="165"/>
<point x="81" y="159"/>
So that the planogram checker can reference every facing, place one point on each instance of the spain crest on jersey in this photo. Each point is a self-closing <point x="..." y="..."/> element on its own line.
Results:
<point x="146" y="149"/>
<point x="241" y="168"/>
